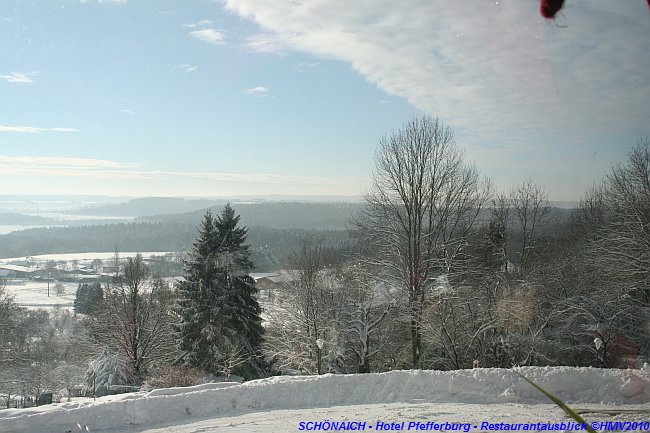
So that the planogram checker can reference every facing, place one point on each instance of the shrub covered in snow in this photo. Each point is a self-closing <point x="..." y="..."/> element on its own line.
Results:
<point x="107" y="370"/>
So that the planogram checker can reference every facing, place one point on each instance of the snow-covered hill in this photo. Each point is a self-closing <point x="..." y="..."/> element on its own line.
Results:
<point x="484" y="387"/>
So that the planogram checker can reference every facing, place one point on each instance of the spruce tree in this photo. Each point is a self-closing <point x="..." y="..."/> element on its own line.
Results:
<point x="88" y="298"/>
<point x="220" y="326"/>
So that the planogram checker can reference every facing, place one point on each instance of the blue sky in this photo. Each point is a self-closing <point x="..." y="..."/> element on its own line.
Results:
<point x="258" y="97"/>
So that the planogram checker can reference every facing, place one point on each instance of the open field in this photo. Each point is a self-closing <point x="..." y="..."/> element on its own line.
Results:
<point x="33" y="294"/>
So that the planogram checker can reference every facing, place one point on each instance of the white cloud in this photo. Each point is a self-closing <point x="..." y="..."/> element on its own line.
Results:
<point x="202" y="23"/>
<point x="211" y="36"/>
<point x="185" y="67"/>
<point x="104" y="175"/>
<point x="267" y="43"/>
<point x="260" y="91"/>
<point x="497" y="70"/>
<point x="18" y="77"/>
<point x="125" y="111"/>
<point x="113" y="2"/>
<point x="34" y="130"/>
<point x="40" y="162"/>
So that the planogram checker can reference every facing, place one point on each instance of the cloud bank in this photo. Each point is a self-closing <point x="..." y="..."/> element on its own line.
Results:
<point x="101" y="176"/>
<point x="482" y="65"/>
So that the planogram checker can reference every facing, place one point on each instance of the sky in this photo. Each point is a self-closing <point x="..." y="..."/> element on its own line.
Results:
<point x="263" y="97"/>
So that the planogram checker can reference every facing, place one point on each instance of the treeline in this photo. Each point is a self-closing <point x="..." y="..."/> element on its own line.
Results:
<point x="279" y="215"/>
<point x="269" y="246"/>
<point x="125" y="237"/>
<point x="147" y="206"/>
<point x="11" y="218"/>
<point x="274" y="214"/>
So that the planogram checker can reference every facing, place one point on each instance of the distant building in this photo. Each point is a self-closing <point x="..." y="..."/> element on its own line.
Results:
<point x="16" y="271"/>
<point x="270" y="281"/>
<point x="267" y="283"/>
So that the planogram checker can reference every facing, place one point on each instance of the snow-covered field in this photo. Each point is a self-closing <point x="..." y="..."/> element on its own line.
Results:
<point x="381" y="401"/>
<point x="87" y="257"/>
<point x="33" y="294"/>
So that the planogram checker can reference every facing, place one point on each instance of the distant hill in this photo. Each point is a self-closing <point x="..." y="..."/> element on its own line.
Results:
<point x="279" y="215"/>
<point x="275" y="214"/>
<point x="565" y="204"/>
<point x="17" y="219"/>
<point x="275" y="229"/>
<point x="147" y="206"/>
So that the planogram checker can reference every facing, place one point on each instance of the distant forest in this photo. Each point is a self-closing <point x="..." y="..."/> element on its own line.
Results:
<point x="269" y="246"/>
<point x="275" y="230"/>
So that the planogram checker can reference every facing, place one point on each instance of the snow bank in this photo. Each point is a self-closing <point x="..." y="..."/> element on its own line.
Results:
<point x="478" y="386"/>
<point x="186" y="389"/>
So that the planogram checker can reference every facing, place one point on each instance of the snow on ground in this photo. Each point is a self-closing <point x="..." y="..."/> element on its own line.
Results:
<point x="33" y="294"/>
<point x="281" y="403"/>
<point x="461" y="414"/>
<point x="85" y="256"/>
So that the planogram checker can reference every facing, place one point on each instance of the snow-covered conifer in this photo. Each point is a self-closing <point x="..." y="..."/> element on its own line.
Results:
<point x="218" y="310"/>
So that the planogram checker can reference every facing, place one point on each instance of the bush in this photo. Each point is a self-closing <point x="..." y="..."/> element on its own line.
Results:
<point x="107" y="372"/>
<point x="172" y="376"/>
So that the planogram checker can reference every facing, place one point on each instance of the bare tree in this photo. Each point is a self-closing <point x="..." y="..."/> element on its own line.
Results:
<point x="620" y="249"/>
<point x="286" y="345"/>
<point x="68" y="376"/>
<point x="367" y="306"/>
<point x="59" y="289"/>
<point x="590" y="215"/>
<point x="9" y="318"/>
<point x="134" y="318"/>
<point x="498" y="230"/>
<point x="600" y="275"/>
<point x="423" y="205"/>
<point x="530" y="207"/>
<point x="233" y="356"/>
<point x="626" y="237"/>
<point x="11" y="338"/>
<point x="10" y="388"/>
<point x="97" y="265"/>
<point x="310" y="301"/>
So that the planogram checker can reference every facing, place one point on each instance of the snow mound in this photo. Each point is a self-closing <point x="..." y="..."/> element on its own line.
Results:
<point x="479" y="386"/>
<point x="186" y="389"/>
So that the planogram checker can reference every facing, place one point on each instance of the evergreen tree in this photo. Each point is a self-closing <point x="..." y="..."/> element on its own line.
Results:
<point x="492" y="247"/>
<point x="220" y="326"/>
<point x="88" y="298"/>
